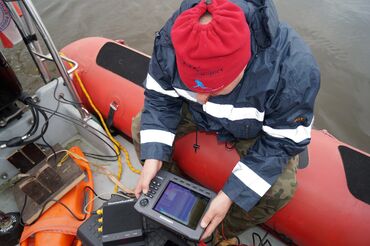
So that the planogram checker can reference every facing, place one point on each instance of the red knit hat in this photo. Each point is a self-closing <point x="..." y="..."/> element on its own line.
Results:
<point x="210" y="56"/>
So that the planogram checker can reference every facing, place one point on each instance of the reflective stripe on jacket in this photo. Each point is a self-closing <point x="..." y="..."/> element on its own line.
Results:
<point x="273" y="102"/>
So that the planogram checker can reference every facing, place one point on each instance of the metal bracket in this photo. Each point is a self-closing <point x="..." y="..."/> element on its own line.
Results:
<point x="50" y="58"/>
<point x="4" y="121"/>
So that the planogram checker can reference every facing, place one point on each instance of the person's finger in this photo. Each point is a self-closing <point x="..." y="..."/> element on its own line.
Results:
<point x="137" y="192"/>
<point x="148" y="172"/>
<point x="211" y="227"/>
<point x="145" y="184"/>
<point x="138" y="188"/>
<point x="206" y="219"/>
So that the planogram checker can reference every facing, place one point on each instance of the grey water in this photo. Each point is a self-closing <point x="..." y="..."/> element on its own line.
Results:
<point x="338" y="32"/>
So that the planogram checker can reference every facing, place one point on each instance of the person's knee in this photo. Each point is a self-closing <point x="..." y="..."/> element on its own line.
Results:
<point x="135" y="133"/>
<point x="282" y="191"/>
<point x="135" y="128"/>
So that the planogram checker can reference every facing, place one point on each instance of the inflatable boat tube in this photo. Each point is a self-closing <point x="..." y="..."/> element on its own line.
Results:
<point x="332" y="202"/>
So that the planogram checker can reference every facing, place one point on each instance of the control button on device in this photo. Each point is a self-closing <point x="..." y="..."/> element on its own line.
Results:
<point x="144" y="202"/>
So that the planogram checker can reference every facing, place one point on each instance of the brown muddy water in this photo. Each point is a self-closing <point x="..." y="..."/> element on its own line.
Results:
<point x="338" y="32"/>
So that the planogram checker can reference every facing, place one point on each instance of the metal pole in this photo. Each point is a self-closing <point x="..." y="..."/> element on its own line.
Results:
<point x="54" y="53"/>
<point x="37" y="46"/>
<point x="23" y="30"/>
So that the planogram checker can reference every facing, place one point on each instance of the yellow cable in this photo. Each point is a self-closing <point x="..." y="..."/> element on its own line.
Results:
<point x="116" y="143"/>
<point x="65" y="157"/>
<point x="119" y="173"/>
<point x="127" y="157"/>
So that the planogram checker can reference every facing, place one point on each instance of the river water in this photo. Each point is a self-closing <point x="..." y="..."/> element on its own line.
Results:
<point x="336" y="30"/>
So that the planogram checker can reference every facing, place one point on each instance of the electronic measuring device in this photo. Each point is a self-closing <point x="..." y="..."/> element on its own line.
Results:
<point x="176" y="203"/>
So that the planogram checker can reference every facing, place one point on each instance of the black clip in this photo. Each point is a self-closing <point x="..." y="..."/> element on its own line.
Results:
<point x="113" y="107"/>
<point x="196" y="147"/>
<point x="208" y="2"/>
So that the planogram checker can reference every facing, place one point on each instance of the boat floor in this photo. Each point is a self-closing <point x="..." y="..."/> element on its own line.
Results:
<point x="67" y="134"/>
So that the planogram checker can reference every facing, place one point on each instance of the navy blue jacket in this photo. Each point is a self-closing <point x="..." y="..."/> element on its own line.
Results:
<point x="273" y="102"/>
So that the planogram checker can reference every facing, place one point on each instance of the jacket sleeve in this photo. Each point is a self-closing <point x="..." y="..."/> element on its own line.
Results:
<point x="162" y="104"/>
<point x="286" y="132"/>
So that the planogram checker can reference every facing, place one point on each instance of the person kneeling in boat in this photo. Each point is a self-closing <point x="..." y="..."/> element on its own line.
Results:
<point x="253" y="84"/>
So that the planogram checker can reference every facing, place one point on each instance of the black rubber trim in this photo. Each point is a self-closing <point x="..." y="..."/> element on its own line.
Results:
<point x="124" y="62"/>
<point x="357" y="169"/>
<point x="303" y="159"/>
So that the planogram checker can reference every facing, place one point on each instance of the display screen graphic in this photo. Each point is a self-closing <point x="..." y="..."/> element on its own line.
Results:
<point x="181" y="204"/>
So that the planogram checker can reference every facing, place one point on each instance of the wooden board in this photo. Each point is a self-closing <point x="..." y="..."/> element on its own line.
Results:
<point x="46" y="181"/>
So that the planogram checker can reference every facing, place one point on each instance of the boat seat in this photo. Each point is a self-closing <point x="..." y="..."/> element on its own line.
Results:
<point x="124" y="61"/>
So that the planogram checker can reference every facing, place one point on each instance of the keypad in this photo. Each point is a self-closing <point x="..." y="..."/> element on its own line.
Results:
<point x="153" y="187"/>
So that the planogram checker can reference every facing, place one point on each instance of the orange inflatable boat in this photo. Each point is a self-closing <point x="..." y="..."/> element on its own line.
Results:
<point x="332" y="202"/>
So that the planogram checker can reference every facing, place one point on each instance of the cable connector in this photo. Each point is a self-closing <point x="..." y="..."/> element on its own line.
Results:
<point x="14" y="142"/>
<point x="24" y="97"/>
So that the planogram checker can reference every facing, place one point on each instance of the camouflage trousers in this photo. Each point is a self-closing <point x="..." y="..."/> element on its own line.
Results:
<point x="237" y="220"/>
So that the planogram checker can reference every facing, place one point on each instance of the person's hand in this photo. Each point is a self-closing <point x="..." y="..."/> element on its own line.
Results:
<point x="148" y="172"/>
<point x="215" y="213"/>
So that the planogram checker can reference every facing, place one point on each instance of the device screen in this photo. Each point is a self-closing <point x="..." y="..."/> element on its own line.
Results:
<point x="181" y="204"/>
